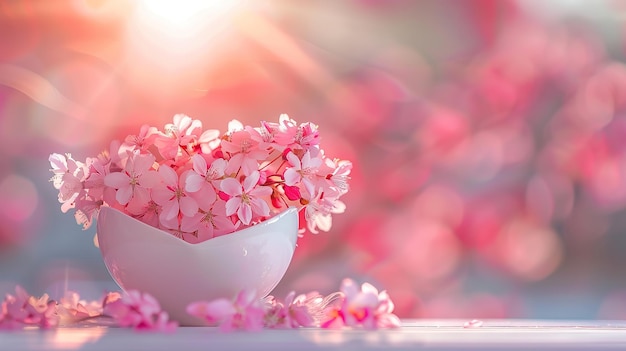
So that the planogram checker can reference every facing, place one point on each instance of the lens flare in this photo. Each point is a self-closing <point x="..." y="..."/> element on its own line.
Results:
<point x="180" y="13"/>
<point x="171" y="45"/>
<point x="182" y="19"/>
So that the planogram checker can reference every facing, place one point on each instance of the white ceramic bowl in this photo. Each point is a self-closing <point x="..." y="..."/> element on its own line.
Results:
<point x="177" y="273"/>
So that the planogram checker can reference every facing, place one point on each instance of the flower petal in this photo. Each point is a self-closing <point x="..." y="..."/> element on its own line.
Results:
<point x="251" y="181"/>
<point x="142" y="163"/>
<point x="170" y="210"/>
<point x="193" y="182"/>
<point x="188" y="206"/>
<point x="261" y="191"/>
<point x="116" y="180"/>
<point x="209" y="135"/>
<point x="260" y="207"/>
<point x="149" y="179"/>
<point x="168" y="175"/>
<point x="244" y="213"/>
<point x="205" y="197"/>
<point x="124" y="194"/>
<point x="232" y="205"/>
<point x="294" y="160"/>
<point x="231" y="187"/>
<point x="162" y="195"/>
<point x="199" y="164"/>
<point x="292" y="176"/>
<point x="369" y="289"/>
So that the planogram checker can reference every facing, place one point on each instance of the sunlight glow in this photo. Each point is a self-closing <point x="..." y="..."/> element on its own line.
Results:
<point x="181" y="15"/>
<point x="171" y="44"/>
<point x="173" y="11"/>
<point x="73" y="339"/>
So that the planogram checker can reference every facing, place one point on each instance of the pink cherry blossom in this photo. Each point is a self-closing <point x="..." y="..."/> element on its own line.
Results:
<point x="175" y="227"/>
<point x="177" y="135"/>
<point x="95" y="193"/>
<point x="362" y="307"/>
<point x="319" y="207"/>
<point x="149" y="214"/>
<point x="246" y="199"/>
<point x="286" y="132"/>
<point x="68" y="178"/>
<point x="244" y="151"/>
<point x="209" y="140"/>
<point x="351" y="307"/>
<point x="72" y="309"/>
<point x="98" y="167"/>
<point x="293" y="312"/>
<point x="245" y="312"/>
<point x="205" y="178"/>
<point x="340" y="174"/>
<point x="171" y="195"/>
<point x="140" y="142"/>
<point x="86" y="210"/>
<point x="22" y="309"/>
<point x="133" y="184"/>
<point x="209" y="222"/>
<point x="265" y="136"/>
<point x="307" y="136"/>
<point x="319" y="307"/>
<point x="290" y="134"/>
<point x="117" y="155"/>
<point x="140" y="311"/>
<point x="302" y="170"/>
<point x="62" y="165"/>
<point x="199" y="184"/>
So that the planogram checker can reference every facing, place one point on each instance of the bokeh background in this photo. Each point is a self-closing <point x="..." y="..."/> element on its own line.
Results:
<point x="488" y="136"/>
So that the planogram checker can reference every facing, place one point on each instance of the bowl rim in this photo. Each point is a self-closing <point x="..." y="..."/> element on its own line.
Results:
<point x="250" y="231"/>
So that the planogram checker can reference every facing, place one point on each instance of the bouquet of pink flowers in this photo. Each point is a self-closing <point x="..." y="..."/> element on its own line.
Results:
<point x="198" y="184"/>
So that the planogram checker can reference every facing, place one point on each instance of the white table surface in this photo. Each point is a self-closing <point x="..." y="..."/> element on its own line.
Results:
<point x="414" y="334"/>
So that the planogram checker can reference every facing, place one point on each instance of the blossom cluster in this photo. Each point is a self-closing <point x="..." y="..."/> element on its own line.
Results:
<point x="132" y="310"/>
<point x="198" y="184"/>
<point x="139" y="311"/>
<point x="363" y="306"/>
<point x="71" y="309"/>
<point x="350" y="307"/>
<point x="22" y="309"/>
